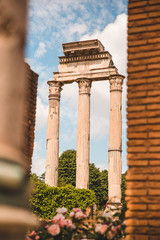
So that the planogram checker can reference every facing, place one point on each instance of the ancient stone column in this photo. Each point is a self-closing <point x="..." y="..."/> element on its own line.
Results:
<point x="83" y="134"/>
<point x="115" y="140"/>
<point x="51" y="173"/>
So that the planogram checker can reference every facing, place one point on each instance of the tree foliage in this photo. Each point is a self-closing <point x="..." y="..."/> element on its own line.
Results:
<point x="97" y="180"/>
<point x="67" y="168"/>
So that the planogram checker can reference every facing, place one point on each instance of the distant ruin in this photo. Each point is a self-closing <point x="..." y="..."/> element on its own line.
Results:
<point x="84" y="62"/>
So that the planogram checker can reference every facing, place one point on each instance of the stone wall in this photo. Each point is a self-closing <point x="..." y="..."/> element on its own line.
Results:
<point x="143" y="176"/>
<point x="30" y="115"/>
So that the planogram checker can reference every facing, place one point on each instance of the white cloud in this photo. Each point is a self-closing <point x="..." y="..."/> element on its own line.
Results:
<point x="114" y="39"/>
<point x="102" y="166"/>
<point x="77" y="28"/>
<point x="41" y="50"/>
<point x="38" y="162"/>
<point x="51" y="21"/>
<point x="41" y="114"/>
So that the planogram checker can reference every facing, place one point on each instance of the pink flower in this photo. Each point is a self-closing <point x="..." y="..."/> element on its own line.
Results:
<point x="98" y="227"/>
<point x="71" y="214"/>
<point x="119" y="227"/>
<point x="54" y="229"/>
<point x="36" y="237"/>
<point x="85" y="215"/>
<point x="58" y="217"/>
<point x="103" y="229"/>
<point x="61" y="223"/>
<point x="110" y="235"/>
<point x="62" y="210"/>
<point x="75" y="210"/>
<point x="69" y="224"/>
<point x="79" y="215"/>
<point x="113" y="229"/>
<point x="32" y="233"/>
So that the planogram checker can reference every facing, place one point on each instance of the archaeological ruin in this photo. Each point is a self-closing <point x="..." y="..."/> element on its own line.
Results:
<point x="85" y="62"/>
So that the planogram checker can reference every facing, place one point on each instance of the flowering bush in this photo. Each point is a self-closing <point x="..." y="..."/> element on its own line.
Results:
<point x="79" y="226"/>
<point x="45" y="199"/>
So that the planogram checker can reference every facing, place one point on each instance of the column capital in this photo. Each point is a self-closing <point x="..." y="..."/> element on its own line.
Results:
<point x="116" y="82"/>
<point x="84" y="85"/>
<point x="55" y="89"/>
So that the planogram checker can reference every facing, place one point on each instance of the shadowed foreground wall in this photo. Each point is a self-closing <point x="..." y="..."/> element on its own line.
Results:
<point x="29" y="115"/>
<point x="143" y="176"/>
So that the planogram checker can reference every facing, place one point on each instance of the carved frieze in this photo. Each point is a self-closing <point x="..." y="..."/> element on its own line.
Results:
<point x="84" y="86"/>
<point x="103" y="55"/>
<point x="116" y="83"/>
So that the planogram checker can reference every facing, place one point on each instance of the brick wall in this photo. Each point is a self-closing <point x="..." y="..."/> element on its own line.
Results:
<point x="143" y="177"/>
<point x="30" y="115"/>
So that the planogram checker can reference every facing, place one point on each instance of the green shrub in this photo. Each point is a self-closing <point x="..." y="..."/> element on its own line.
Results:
<point x="45" y="200"/>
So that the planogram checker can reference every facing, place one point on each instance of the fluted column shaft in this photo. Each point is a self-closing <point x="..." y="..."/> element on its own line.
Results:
<point x="83" y="135"/>
<point x="115" y="140"/>
<point x="51" y="173"/>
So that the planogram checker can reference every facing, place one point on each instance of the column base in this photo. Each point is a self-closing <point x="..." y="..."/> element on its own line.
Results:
<point x="114" y="209"/>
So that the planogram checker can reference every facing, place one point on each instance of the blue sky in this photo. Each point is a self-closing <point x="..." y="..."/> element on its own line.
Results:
<point x="53" y="22"/>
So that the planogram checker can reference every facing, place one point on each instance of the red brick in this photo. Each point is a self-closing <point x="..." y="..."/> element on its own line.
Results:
<point x="137" y="4"/>
<point x="132" y="206"/>
<point x="136" y="135"/>
<point x="143" y="60"/>
<point x="154" y="148"/>
<point x="154" y="207"/>
<point x="132" y="177"/>
<point x="154" y="134"/>
<point x="136" y="108"/>
<point x="138" y="94"/>
<point x="143" y="199"/>
<point x="154" y="237"/>
<point x="153" y="14"/>
<point x="141" y="101"/>
<point x="146" y="48"/>
<point x="136" y="184"/>
<point x="137" y="163"/>
<point x="141" y="156"/>
<point x="136" y="222"/>
<point x="144" y="22"/>
<point x="153" y="93"/>
<point x="132" y="122"/>
<point x="134" y="115"/>
<point x="137" y="68"/>
<point x="137" y="82"/>
<point x="137" y="149"/>
<point x="154" y="192"/>
<point x="137" y="43"/>
<point x="137" y="16"/>
<point x="144" y="74"/>
<point x="145" y="170"/>
<point x="137" y="29"/>
<point x="153" y="106"/>
<point x="154" y="177"/>
<point x="154" y="162"/>
<point x="143" y="35"/>
<point x="139" y="142"/>
<point x="153" y="120"/>
<point x="143" y="214"/>
<point x="137" y="192"/>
